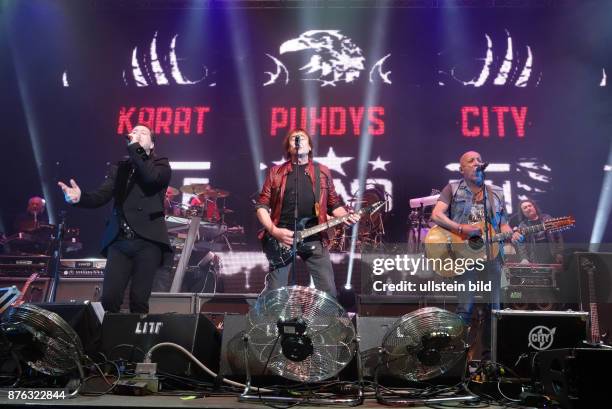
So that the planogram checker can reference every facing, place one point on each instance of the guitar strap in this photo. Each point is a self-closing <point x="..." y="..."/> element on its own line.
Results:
<point x="317" y="191"/>
<point x="455" y="188"/>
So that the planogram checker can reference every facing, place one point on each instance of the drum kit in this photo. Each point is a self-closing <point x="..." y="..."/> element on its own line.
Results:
<point x="371" y="227"/>
<point x="419" y="220"/>
<point x="207" y="204"/>
<point x="197" y="226"/>
<point x="38" y="238"/>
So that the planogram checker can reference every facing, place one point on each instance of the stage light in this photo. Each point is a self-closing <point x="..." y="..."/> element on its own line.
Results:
<point x="604" y="206"/>
<point x="365" y="141"/>
<point x="190" y="165"/>
<point x="25" y="93"/>
<point x="246" y="83"/>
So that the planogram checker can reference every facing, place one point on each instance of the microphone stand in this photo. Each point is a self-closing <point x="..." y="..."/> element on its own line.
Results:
<point x="486" y="216"/>
<point x="56" y="257"/>
<point x="293" y="273"/>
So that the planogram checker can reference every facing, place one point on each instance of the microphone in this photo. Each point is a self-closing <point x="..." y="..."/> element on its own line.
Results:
<point x="297" y="142"/>
<point x="482" y="167"/>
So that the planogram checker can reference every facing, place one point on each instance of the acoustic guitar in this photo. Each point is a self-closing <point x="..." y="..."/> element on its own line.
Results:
<point x="443" y="245"/>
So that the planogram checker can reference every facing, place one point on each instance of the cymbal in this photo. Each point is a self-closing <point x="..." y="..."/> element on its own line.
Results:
<point x="44" y="228"/>
<point x="195" y="188"/>
<point x="211" y="192"/>
<point x="172" y="191"/>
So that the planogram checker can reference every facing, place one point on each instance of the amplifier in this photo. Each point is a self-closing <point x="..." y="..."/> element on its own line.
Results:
<point x="518" y="335"/>
<point x="90" y="289"/>
<point x="23" y="266"/>
<point x="531" y="275"/>
<point x="82" y="268"/>
<point x="75" y="289"/>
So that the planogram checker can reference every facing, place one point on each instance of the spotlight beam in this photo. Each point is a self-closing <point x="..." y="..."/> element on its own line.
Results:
<point x="27" y="104"/>
<point x="604" y="206"/>
<point x="247" y="94"/>
<point x="365" y="142"/>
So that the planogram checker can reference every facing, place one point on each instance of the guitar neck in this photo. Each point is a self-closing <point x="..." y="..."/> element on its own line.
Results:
<point x="525" y="231"/>
<point x="24" y="289"/>
<point x="328" y="224"/>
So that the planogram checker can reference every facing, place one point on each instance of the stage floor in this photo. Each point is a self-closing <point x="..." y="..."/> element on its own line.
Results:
<point x="213" y="402"/>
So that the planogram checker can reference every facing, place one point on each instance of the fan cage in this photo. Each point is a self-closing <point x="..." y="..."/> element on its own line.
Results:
<point x="404" y="344"/>
<point x="328" y="326"/>
<point x="60" y="347"/>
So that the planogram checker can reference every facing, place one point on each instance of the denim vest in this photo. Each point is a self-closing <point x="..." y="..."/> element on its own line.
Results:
<point x="462" y="199"/>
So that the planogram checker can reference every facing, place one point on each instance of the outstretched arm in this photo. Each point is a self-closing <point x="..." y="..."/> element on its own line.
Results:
<point x="93" y="199"/>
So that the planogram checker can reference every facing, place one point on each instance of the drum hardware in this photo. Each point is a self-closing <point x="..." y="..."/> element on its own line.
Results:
<point x="371" y="228"/>
<point x="419" y="220"/>
<point x="39" y="240"/>
<point x="198" y="226"/>
<point x="194" y="189"/>
<point x="211" y="192"/>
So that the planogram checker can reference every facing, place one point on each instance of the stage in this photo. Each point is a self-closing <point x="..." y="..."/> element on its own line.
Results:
<point x="344" y="196"/>
<point x="160" y="401"/>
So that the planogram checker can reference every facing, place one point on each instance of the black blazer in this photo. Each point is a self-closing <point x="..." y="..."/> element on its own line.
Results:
<point x="142" y="201"/>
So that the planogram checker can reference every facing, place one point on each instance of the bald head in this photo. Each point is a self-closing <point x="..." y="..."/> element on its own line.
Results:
<point x="468" y="165"/>
<point x="36" y="205"/>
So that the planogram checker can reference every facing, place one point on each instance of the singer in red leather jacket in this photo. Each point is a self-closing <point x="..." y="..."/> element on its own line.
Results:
<point x="276" y="205"/>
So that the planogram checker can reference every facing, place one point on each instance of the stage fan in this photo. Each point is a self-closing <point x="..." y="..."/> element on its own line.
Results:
<point x="301" y="334"/>
<point x="421" y="346"/>
<point x="43" y="340"/>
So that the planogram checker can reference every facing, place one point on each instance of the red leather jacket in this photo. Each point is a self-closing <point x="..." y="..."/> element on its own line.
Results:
<point x="273" y="192"/>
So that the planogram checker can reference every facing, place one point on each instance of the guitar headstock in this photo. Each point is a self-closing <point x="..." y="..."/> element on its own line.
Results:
<point x="559" y="224"/>
<point x="374" y="207"/>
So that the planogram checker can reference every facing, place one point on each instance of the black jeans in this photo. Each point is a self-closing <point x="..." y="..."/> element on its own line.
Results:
<point x="130" y="259"/>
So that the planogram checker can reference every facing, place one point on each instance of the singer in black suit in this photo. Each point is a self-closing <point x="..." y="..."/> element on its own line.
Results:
<point x="136" y="236"/>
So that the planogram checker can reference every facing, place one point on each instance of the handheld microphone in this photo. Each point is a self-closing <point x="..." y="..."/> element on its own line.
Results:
<point x="482" y="167"/>
<point x="297" y="142"/>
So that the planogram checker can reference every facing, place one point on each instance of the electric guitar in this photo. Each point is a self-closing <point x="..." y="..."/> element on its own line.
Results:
<point x="279" y="254"/>
<point x="24" y="290"/>
<point x="445" y="245"/>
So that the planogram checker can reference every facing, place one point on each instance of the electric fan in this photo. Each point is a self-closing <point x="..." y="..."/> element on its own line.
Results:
<point x="421" y="346"/>
<point x="43" y="340"/>
<point x="299" y="333"/>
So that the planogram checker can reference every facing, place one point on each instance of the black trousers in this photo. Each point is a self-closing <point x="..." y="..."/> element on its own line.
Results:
<point x="319" y="267"/>
<point x="134" y="260"/>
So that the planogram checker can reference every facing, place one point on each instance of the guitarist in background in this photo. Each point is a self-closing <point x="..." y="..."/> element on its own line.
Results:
<point x="275" y="210"/>
<point x="460" y="204"/>
<point x="544" y="247"/>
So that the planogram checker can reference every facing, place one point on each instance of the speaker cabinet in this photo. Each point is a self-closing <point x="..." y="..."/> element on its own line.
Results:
<point x="130" y="336"/>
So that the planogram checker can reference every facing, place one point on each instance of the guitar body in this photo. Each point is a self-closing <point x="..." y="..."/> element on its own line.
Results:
<point x="443" y="244"/>
<point x="280" y="255"/>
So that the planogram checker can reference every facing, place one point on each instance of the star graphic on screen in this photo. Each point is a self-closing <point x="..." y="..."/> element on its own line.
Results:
<point x="379" y="163"/>
<point x="333" y="162"/>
